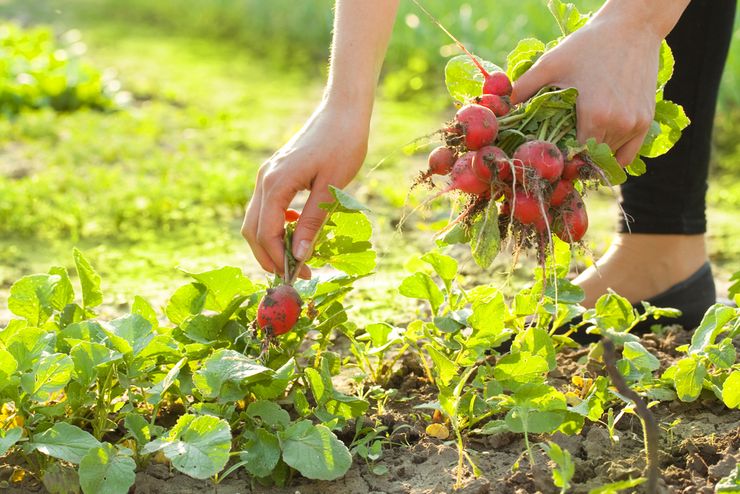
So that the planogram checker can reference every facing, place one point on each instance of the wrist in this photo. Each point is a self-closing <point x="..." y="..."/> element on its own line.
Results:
<point x="654" y="18"/>
<point x="355" y="99"/>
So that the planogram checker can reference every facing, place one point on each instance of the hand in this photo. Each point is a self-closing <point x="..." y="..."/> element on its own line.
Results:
<point x="329" y="150"/>
<point x="613" y="62"/>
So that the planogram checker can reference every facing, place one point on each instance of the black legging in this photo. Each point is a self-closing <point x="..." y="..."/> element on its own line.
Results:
<point x="670" y="197"/>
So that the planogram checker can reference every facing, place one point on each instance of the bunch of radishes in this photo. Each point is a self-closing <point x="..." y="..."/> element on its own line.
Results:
<point x="523" y="157"/>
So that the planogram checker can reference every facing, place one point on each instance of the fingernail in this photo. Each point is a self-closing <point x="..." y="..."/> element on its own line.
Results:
<point x="301" y="250"/>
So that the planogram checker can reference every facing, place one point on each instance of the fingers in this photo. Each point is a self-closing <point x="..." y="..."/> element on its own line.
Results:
<point x="249" y="230"/>
<point x="537" y="77"/>
<point x="627" y="153"/>
<point x="311" y="220"/>
<point x="277" y="193"/>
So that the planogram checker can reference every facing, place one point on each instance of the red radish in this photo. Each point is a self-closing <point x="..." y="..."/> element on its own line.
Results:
<point x="542" y="157"/>
<point x="497" y="83"/>
<point x="526" y="208"/>
<point x="498" y="105"/>
<point x="491" y="158"/>
<point x="505" y="209"/>
<point x="279" y="310"/>
<point x="464" y="177"/>
<point x="560" y="192"/>
<point x="572" y="168"/>
<point x="478" y="124"/>
<point x="441" y="160"/>
<point x="573" y="221"/>
<point x="291" y="215"/>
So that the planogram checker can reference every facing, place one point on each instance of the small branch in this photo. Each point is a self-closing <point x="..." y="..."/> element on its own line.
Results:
<point x="649" y="424"/>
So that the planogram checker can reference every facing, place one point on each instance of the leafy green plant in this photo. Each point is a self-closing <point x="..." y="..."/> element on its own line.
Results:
<point x="38" y="71"/>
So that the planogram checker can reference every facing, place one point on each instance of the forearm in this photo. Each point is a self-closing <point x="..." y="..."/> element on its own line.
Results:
<point x="362" y="30"/>
<point x="657" y="17"/>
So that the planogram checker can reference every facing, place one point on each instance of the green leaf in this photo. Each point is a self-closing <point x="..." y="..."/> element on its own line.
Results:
<point x="603" y="157"/>
<point x="271" y="413"/>
<point x="565" y="470"/>
<point x="314" y="451"/>
<point x="614" y="312"/>
<point x="463" y="79"/>
<point x="445" y="266"/>
<point x="188" y="300"/>
<point x="521" y="368"/>
<point x="89" y="358"/>
<point x="8" y="438"/>
<point x="422" y="286"/>
<point x="65" y="442"/>
<point x="224" y="374"/>
<point x="731" y="483"/>
<point x="64" y="293"/>
<point x="223" y="286"/>
<point x="129" y="334"/>
<point x="617" y="487"/>
<point x="343" y="202"/>
<point x="536" y="341"/>
<point x="445" y="368"/>
<point x="550" y="102"/>
<point x="731" y="390"/>
<point x="344" y="244"/>
<point x="33" y="297"/>
<point x="487" y="318"/>
<point x="276" y="386"/>
<point x="50" y="374"/>
<point x="539" y="409"/>
<point x="666" y="65"/>
<point x="145" y="310"/>
<point x="138" y="427"/>
<point x="689" y="378"/>
<point x="485" y="240"/>
<point x="261" y="452"/>
<point x="523" y="56"/>
<point x="104" y="469"/>
<point x="27" y="344"/>
<point x="712" y="324"/>
<point x="567" y="16"/>
<point x="155" y="393"/>
<point x="640" y="356"/>
<point x="92" y="296"/>
<point x="196" y="446"/>
<point x="8" y="366"/>
<point x="665" y="130"/>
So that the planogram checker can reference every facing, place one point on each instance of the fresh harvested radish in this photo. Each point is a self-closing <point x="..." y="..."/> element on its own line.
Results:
<point x="279" y="310"/>
<point x="498" y="105"/>
<point x="465" y="179"/>
<point x="477" y="124"/>
<point x="496" y="83"/>
<point x="538" y="159"/>
<point x="490" y="160"/>
<point x="572" y="168"/>
<point x="526" y="207"/>
<point x="573" y="221"/>
<point x="560" y="192"/>
<point x="291" y="215"/>
<point x="441" y="160"/>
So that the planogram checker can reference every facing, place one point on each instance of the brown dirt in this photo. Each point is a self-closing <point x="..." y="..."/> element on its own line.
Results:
<point x="700" y="443"/>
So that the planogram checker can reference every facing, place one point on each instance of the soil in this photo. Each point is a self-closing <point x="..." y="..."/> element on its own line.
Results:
<point x="700" y="444"/>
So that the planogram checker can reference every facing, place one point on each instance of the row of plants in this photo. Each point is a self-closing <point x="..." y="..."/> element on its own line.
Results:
<point x="94" y="400"/>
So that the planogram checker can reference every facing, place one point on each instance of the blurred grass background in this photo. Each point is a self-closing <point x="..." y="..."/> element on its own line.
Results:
<point x="216" y="86"/>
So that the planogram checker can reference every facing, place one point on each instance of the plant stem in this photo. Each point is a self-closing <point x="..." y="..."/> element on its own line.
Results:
<point x="650" y="428"/>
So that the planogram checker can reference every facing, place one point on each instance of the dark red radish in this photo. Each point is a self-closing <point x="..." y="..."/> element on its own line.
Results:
<point x="497" y="83"/>
<point x="279" y="310"/>
<point x="441" y="161"/>
<point x="464" y="177"/>
<point x="526" y="208"/>
<point x="572" y="168"/>
<point x="478" y="124"/>
<point x="560" y="192"/>
<point x="572" y="224"/>
<point x="538" y="159"/>
<point x="500" y="106"/>
<point x="489" y="159"/>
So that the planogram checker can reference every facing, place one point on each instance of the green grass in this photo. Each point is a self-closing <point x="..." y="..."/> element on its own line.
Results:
<point x="162" y="183"/>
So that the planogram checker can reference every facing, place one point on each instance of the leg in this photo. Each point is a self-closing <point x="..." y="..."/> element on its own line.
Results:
<point x="667" y="204"/>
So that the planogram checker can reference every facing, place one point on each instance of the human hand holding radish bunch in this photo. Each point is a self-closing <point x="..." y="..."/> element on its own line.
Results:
<point x="522" y="169"/>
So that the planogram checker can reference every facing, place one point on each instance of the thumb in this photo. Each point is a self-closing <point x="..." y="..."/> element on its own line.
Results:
<point x="310" y="222"/>
<point x="530" y="82"/>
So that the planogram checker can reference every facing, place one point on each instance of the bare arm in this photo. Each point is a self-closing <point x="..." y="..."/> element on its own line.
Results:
<point x="613" y="62"/>
<point x="331" y="146"/>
